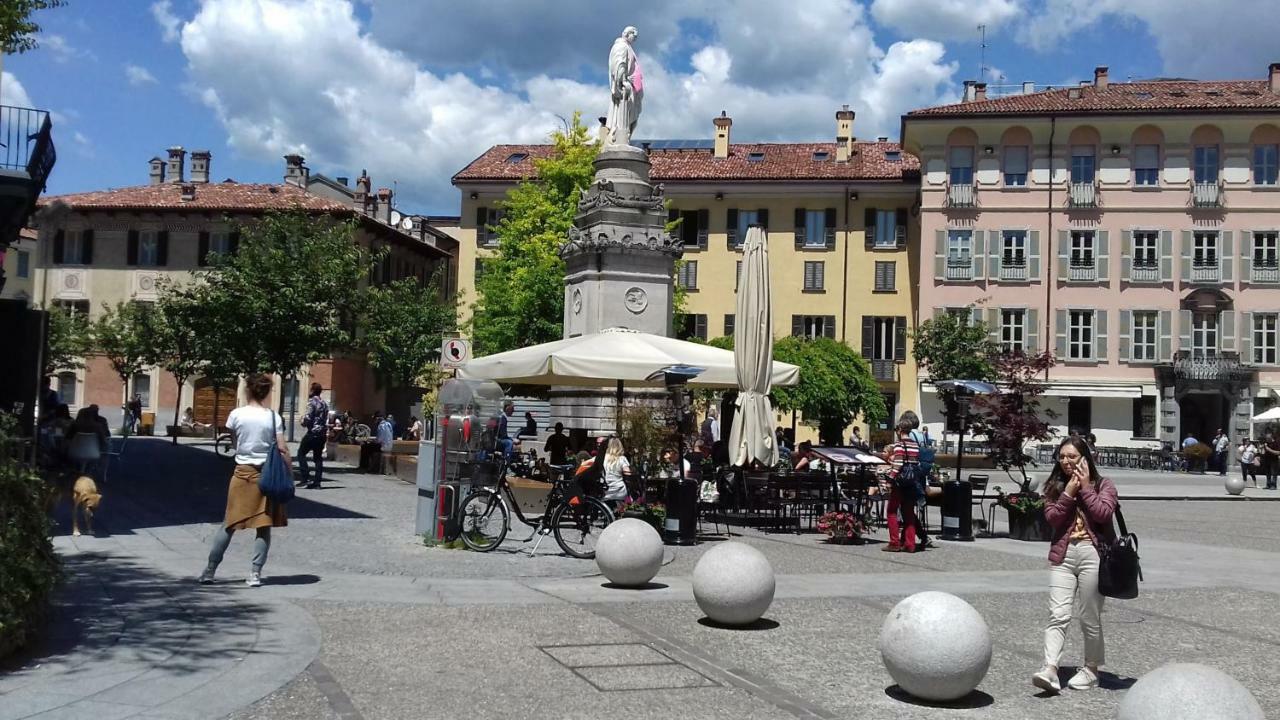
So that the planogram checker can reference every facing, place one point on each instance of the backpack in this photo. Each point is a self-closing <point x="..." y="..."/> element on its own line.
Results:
<point x="927" y="453"/>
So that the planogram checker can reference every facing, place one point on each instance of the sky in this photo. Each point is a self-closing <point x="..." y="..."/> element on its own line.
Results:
<point x="413" y="90"/>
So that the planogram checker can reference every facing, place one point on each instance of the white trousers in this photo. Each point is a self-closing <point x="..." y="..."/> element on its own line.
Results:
<point x="1073" y="592"/>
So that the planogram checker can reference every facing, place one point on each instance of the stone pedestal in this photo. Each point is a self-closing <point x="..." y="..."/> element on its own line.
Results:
<point x="619" y="272"/>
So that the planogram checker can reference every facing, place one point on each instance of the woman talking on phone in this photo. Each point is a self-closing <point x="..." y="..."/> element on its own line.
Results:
<point x="1079" y="504"/>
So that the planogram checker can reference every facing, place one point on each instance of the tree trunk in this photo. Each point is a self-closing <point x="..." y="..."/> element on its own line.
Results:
<point x="177" y="405"/>
<point x="216" y="393"/>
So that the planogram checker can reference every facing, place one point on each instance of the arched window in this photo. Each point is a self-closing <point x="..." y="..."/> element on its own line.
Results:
<point x="1265" y="142"/>
<point x="1015" y="156"/>
<point x="1206" y="157"/>
<point x="960" y="150"/>
<point x="1084" y="155"/>
<point x="1147" y="143"/>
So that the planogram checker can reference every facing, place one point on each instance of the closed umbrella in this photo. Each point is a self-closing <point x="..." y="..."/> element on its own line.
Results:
<point x="751" y="437"/>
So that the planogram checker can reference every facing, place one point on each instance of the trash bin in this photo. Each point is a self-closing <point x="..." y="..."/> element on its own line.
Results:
<point x="957" y="510"/>
<point x="681" y="525"/>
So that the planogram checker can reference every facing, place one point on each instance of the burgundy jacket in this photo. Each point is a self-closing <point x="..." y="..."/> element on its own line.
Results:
<point x="1097" y="502"/>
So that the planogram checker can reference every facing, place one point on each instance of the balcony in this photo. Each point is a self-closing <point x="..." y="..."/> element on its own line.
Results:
<point x="884" y="370"/>
<point x="1205" y="271"/>
<point x="959" y="269"/>
<point x="1082" y="271"/>
<point x="1013" y="270"/>
<point x="961" y="196"/>
<point x="1083" y="195"/>
<point x="27" y="156"/>
<point x="1210" y="367"/>
<point x="1206" y="195"/>
<point x="1144" y="272"/>
<point x="1265" y="272"/>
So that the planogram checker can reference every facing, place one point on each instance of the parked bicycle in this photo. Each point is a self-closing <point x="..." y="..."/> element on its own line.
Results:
<point x="573" y="517"/>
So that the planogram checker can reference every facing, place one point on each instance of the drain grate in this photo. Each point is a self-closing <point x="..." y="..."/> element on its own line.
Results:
<point x="619" y="667"/>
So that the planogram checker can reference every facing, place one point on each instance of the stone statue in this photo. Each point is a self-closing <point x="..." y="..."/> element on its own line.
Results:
<point x="626" y="87"/>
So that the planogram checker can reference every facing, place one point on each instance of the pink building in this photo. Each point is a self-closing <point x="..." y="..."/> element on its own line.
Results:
<point x="1129" y="227"/>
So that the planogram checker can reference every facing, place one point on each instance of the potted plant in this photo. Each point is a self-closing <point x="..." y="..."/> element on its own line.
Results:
<point x="842" y="527"/>
<point x="654" y="513"/>
<point x="1026" y="515"/>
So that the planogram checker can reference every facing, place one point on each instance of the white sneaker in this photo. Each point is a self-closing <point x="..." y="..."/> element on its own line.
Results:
<point x="1084" y="679"/>
<point x="255" y="580"/>
<point x="1047" y="680"/>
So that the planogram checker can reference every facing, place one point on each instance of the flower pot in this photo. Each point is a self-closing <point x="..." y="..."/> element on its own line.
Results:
<point x="1029" y="527"/>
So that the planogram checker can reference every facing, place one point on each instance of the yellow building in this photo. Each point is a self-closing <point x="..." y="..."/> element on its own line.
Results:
<point x="843" y="237"/>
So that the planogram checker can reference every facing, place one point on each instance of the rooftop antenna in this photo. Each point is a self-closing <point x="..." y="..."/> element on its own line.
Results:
<point x="982" y="53"/>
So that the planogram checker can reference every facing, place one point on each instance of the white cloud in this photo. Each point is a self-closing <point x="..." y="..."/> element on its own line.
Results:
<point x="945" y="19"/>
<point x="61" y="50"/>
<point x="294" y="75"/>
<point x="12" y="93"/>
<point x="162" y="11"/>
<point x="138" y="75"/>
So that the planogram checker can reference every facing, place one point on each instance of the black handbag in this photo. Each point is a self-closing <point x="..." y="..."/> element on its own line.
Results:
<point x="1118" y="568"/>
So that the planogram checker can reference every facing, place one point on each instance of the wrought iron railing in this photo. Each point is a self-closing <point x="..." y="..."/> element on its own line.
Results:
<point x="1206" y="194"/>
<point x="959" y="269"/>
<point x="1082" y="271"/>
<point x="1194" y="365"/>
<point x="1013" y="269"/>
<point x="1205" y="271"/>
<point x="1083" y="194"/>
<point x="1144" y="272"/>
<point x="884" y="370"/>
<point x="1265" y="272"/>
<point x="961" y="195"/>
<point x="26" y="142"/>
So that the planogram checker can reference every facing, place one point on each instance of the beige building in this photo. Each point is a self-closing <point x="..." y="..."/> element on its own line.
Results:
<point x="843" y="236"/>
<point x="101" y="248"/>
<point x="19" y="267"/>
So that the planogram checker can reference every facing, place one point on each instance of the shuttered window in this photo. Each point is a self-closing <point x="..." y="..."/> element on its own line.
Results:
<point x="1013" y="328"/>
<point x="1146" y="165"/>
<point x="1015" y="166"/>
<point x="487" y="220"/>
<point x="813" y="326"/>
<point x="886" y="276"/>
<point x="1146" y="330"/>
<point x="729" y="325"/>
<point x="695" y="326"/>
<point x="814" y="275"/>
<point x="689" y="275"/>
<point x="1264" y="338"/>
<point x="1080" y="335"/>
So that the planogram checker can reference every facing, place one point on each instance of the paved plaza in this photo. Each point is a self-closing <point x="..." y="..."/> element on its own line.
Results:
<point x="358" y="619"/>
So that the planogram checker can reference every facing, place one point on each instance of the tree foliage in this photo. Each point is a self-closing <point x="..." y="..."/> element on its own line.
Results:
<point x="29" y="566"/>
<point x="520" y="293"/>
<point x="1014" y="416"/>
<point x="403" y="327"/>
<point x="835" y="386"/>
<point x="951" y="347"/>
<point x="125" y="335"/>
<point x="70" y="338"/>
<point x="17" y="30"/>
<point x="177" y="344"/>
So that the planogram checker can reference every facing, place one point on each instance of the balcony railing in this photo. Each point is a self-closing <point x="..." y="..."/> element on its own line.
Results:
<point x="961" y="196"/>
<point x="884" y="370"/>
<point x="1213" y="367"/>
<point x="1083" y="195"/>
<point x="1205" y="271"/>
<point x="26" y="142"/>
<point x="959" y="269"/>
<point x="1013" y="270"/>
<point x="1206" y="195"/>
<point x="1082" y="271"/>
<point x="1144" y="272"/>
<point x="1265" y="272"/>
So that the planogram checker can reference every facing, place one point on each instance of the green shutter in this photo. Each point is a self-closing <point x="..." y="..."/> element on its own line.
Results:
<point x="940" y="255"/>
<point x="1100" y="335"/>
<point x="1126" y="260"/>
<point x="1064" y="253"/>
<point x="1227" y="331"/>
<point x="1166" y="256"/>
<point x="869" y="227"/>
<point x="1060" y="333"/>
<point x="731" y="228"/>
<point x="799" y="223"/>
<point x="1126" y="330"/>
<point x="1226" y="256"/>
<point x="979" y="254"/>
<point x="900" y="228"/>
<point x="1184" y="330"/>
<point x="993" y="257"/>
<point x="868" y="336"/>
<point x="993" y="324"/>
<point x="1186" y="256"/>
<point x="1102" y="257"/>
<point x="900" y="339"/>
<point x="1166" y="336"/>
<point x="1032" y="330"/>
<point x="830" y="238"/>
<point x="1246" y="337"/>
<point x="1033" y="255"/>
<point x="1246" y="256"/>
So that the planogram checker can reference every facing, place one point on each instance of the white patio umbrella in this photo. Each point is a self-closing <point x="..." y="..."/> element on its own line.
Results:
<point x="751" y="437"/>
<point x="1268" y="415"/>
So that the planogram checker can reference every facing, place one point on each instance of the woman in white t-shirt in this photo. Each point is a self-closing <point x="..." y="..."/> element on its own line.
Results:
<point x="258" y="431"/>
<point x="615" y="467"/>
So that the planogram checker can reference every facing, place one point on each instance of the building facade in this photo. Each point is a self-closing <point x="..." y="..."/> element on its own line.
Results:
<point x="101" y="248"/>
<point x="1131" y="228"/>
<point x="19" y="267"/>
<point x="843" y="236"/>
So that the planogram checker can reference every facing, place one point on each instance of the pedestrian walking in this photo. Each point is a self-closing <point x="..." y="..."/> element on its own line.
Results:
<point x="710" y="430"/>
<point x="1079" y="504"/>
<point x="1221" y="443"/>
<point x="557" y="446"/>
<point x="386" y="442"/>
<point x="256" y="431"/>
<point x="313" y="441"/>
<point x="1249" y="461"/>
<point x="134" y="418"/>
<point x="902" y="534"/>
<point x="1271" y="457"/>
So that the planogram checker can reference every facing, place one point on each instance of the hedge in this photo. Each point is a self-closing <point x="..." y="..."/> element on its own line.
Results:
<point x="29" y="568"/>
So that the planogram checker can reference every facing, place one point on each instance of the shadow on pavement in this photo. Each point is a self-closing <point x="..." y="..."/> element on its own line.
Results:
<point x="761" y="624"/>
<point x="975" y="699"/>
<point x="159" y="484"/>
<point x="291" y="579"/>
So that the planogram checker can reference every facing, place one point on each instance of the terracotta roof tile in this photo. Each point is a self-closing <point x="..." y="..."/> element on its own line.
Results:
<point x="777" y="162"/>
<point x="225" y="196"/>
<point x="1159" y="96"/>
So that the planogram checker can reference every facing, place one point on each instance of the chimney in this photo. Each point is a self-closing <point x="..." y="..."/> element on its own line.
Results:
<point x="602" y="136"/>
<point x="157" y="170"/>
<point x="1084" y="83"/>
<point x="1273" y="77"/>
<point x="723" y="124"/>
<point x="979" y="91"/>
<point x="844" y="133"/>
<point x="200" y="166"/>
<point x="1100" y="78"/>
<point x="383" y="211"/>
<point x="360" y="199"/>
<point x="1028" y="87"/>
<point x="968" y="90"/>
<point x="174" y="172"/>
<point x="343" y="181"/>
<point x="188" y="191"/>
<point x="295" y="172"/>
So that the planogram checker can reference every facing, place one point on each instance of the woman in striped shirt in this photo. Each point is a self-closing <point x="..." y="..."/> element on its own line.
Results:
<point x="905" y="451"/>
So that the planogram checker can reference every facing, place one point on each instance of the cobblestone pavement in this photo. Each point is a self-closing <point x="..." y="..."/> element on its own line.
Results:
<point x="359" y="620"/>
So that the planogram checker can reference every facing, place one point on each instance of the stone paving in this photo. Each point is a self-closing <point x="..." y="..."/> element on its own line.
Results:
<point x="359" y="620"/>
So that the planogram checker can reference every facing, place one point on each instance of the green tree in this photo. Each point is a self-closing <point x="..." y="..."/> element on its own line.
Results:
<point x="17" y="30"/>
<point x="520" y="294"/>
<point x="835" y="386"/>
<point x="70" y="338"/>
<point x="403" y="326"/>
<point x="125" y="335"/>
<point x="953" y="347"/>
<point x="176" y="344"/>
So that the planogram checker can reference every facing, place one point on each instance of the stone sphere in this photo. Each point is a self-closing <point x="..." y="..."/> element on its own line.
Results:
<point x="629" y="552"/>
<point x="1234" y="484"/>
<point x="935" y="646"/>
<point x="1187" y="691"/>
<point x="733" y="583"/>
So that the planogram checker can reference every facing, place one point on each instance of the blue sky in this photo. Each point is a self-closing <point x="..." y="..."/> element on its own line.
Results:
<point x="412" y="91"/>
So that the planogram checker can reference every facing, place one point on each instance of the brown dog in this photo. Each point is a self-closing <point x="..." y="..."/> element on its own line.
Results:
<point x="84" y="498"/>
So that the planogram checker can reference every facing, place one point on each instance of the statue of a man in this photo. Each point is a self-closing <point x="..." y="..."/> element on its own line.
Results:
<point x="626" y="87"/>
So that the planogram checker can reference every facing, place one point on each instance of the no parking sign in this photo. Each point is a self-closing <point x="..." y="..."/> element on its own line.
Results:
<point x="455" y="352"/>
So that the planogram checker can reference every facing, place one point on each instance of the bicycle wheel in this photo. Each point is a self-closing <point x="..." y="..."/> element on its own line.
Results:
<point x="483" y="521"/>
<point x="578" y="524"/>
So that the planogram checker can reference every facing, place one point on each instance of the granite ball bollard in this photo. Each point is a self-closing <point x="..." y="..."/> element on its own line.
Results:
<point x="1188" y="691"/>
<point x="1234" y="484"/>
<point x="629" y="552"/>
<point x="733" y="584"/>
<point x="935" y="646"/>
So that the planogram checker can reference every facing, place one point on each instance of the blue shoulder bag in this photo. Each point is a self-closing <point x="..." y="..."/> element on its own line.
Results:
<point x="276" y="480"/>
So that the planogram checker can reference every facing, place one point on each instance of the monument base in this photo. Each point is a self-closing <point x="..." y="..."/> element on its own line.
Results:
<point x="596" y="410"/>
